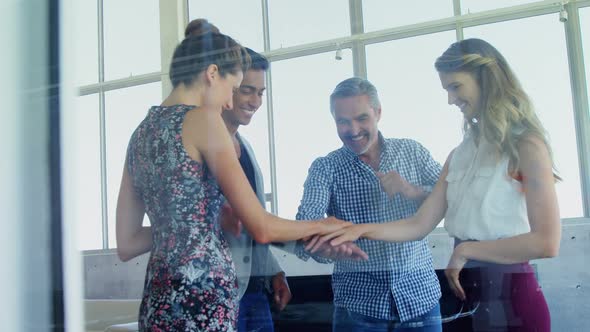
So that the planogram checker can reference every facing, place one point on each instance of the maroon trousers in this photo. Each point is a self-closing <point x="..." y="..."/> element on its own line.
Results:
<point x="507" y="296"/>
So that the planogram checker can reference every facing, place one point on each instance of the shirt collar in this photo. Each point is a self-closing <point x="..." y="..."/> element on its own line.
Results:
<point x="380" y="140"/>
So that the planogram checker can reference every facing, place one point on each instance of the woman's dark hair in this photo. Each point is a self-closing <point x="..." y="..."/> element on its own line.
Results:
<point x="203" y="46"/>
<point x="199" y="27"/>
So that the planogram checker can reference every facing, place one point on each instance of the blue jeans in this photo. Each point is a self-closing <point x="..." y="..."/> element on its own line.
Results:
<point x="348" y="321"/>
<point x="254" y="314"/>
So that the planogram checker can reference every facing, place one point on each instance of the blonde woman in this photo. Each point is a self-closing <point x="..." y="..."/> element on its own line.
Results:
<point x="496" y="193"/>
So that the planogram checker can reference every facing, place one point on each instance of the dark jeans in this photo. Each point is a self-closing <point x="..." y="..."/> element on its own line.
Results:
<point x="254" y="314"/>
<point x="347" y="321"/>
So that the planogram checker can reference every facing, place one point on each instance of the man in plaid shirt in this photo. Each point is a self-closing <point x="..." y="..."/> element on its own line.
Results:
<point x="374" y="179"/>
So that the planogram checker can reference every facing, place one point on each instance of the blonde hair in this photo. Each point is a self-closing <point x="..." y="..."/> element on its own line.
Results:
<point x="506" y="114"/>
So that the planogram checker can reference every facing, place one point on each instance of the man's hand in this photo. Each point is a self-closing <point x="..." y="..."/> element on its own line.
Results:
<point x="347" y="250"/>
<point x="393" y="183"/>
<point x="282" y="293"/>
<point x="229" y="221"/>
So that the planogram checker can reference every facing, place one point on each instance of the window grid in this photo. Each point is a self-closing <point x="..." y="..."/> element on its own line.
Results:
<point x="457" y="23"/>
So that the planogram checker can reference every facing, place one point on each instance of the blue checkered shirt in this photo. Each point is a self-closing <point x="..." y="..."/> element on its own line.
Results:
<point x="398" y="281"/>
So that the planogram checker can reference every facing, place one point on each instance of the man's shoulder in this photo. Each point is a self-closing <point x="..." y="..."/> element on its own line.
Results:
<point x="402" y="143"/>
<point x="331" y="159"/>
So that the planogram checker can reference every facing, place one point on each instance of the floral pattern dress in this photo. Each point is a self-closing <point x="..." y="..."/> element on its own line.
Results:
<point x="190" y="282"/>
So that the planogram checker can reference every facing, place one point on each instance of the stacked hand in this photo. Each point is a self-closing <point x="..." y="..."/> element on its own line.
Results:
<point x="342" y="246"/>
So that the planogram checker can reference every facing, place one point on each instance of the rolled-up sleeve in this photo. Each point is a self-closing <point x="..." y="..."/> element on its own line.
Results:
<point x="316" y="199"/>
<point x="430" y="168"/>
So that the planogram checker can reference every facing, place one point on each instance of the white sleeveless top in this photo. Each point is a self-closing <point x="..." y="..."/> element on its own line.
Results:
<point x="484" y="202"/>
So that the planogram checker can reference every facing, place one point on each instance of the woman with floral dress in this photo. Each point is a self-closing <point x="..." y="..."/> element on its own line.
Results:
<point x="180" y="160"/>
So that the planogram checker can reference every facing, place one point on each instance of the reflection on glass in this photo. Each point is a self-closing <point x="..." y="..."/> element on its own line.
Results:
<point x="383" y="14"/>
<point x="544" y="73"/>
<point x="306" y="21"/>
<point x="474" y="6"/>
<point x="132" y="46"/>
<point x="585" y="28"/>
<point x="85" y="43"/>
<point x="125" y="109"/>
<point x="304" y="127"/>
<point x="413" y="101"/>
<point x="81" y="173"/>
<point x="240" y="19"/>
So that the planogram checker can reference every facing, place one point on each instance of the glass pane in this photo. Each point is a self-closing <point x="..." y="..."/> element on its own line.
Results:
<point x="383" y="14"/>
<point x="306" y="21"/>
<point x="304" y="127"/>
<point x="243" y="22"/>
<point x="543" y="39"/>
<point x="403" y="72"/>
<point x="131" y="47"/>
<point x="81" y="173"/>
<point x="85" y="42"/>
<point x="125" y="109"/>
<point x="474" y="6"/>
<point x="585" y="28"/>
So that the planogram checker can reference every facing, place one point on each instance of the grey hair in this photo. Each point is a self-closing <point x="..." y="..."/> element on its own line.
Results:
<point x="355" y="86"/>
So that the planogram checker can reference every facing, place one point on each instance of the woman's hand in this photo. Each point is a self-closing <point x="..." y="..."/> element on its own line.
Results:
<point x="348" y="234"/>
<point x="332" y="224"/>
<point x="456" y="264"/>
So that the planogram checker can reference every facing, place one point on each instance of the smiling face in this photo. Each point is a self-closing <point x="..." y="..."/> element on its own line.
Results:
<point x="463" y="91"/>
<point x="356" y="123"/>
<point x="247" y="99"/>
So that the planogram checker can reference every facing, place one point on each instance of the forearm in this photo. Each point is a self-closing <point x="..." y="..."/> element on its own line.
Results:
<point x="283" y="230"/>
<point x="517" y="249"/>
<point x="395" y="231"/>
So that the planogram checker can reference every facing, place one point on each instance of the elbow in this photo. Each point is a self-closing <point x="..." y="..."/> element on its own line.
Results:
<point x="550" y="249"/>
<point x="262" y="237"/>
<point x="122" y="250"/>
<point x="549" y="243"/>
<point x="124" y="255"/>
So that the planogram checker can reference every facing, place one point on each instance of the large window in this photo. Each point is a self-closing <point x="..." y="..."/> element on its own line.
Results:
<point x="414" y="103"/>
<point x="474" y="6"/>
<point x="131" y="46"/>
<point x="86" y="43"/>
<point x="402" y="69"/>
<point x="306" y="21"/>
<point x="125" y="109"/>
<point x="82" y="171"/>
<point x="241" y="19"/>
<point x="384" y="14"/>
<point x="543" y="72"/>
